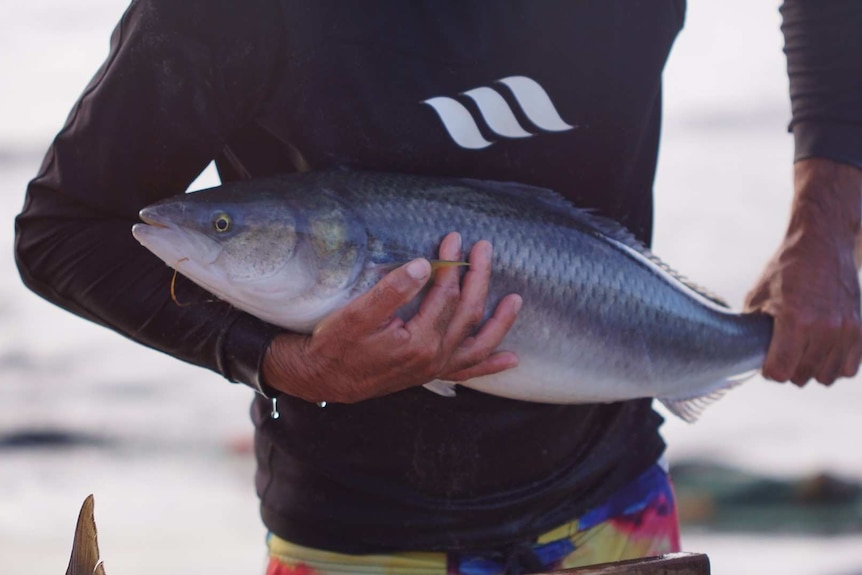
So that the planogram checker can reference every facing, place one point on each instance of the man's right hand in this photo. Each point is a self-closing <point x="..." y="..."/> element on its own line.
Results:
<point x="362" y="350"/>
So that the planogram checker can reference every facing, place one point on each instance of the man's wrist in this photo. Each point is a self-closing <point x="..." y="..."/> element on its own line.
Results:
<point x="283" y="370"/>
<point x="828" y="201"/>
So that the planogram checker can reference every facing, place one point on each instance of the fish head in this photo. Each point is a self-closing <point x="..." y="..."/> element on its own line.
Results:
<point x="285" y="258"/>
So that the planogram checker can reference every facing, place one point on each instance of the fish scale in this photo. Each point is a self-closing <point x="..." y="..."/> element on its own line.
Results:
<point x="602" y="320"/>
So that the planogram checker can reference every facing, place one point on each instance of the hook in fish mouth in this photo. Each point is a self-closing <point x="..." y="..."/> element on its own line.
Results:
<point x="176" y="267"/>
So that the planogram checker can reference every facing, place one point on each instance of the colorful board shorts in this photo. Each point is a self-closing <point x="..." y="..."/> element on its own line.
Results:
<point x="639" y="520"/>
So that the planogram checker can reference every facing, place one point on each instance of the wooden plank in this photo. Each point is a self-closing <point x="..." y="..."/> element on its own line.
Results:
<point x="671" y="564"/>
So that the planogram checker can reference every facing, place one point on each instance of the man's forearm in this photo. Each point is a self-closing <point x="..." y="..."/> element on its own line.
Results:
<point x="827" y="203"/>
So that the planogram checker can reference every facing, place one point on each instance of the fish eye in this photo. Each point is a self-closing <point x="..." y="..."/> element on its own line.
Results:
<point x="221" y="223"/>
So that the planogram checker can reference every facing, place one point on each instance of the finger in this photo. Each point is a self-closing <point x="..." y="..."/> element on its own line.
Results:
<point x="377" y="306"/>
<point x="845" y="353"/>
<point x="852" y="337"/>
<point x="852" y="359"/>
<point x="784" y="352"/>
<point x="474" y="291"/>
<point x="476" y="349"/>
<point x="494" y="363"/>
<point x="754" y="299"/>
<point x="830" y="368"/>
<point x="439" y="304"/>
<point x="818" y="347"/>
<point x="450" y="251"/>
<point x="826" y="344"/>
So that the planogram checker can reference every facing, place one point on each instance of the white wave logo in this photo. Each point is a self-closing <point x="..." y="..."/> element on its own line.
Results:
<point x="500" y="118"/>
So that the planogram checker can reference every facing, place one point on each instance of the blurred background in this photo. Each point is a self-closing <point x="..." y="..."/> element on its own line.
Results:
<point x="164" y="446"/>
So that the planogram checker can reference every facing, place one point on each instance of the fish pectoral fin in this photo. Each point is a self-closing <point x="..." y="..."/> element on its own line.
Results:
<point x="440" y="387"/>
<point x="689" y="409"/>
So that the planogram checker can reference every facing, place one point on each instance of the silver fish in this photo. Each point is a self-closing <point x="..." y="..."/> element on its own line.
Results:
<point x="603" y="319"/>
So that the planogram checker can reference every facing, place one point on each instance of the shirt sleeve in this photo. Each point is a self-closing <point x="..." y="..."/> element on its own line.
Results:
<point x="180" y="78"/>
<point x="823" y="44"/>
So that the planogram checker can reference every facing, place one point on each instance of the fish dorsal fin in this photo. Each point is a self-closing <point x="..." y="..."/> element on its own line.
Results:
<point x="607" y="227"/>
<point x="545" y="196"/>
<point x="616" y="231"/>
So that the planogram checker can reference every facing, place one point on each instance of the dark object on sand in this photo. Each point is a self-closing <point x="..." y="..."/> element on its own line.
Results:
<point x="724" y="498"/>
<point x="49" y="439"/>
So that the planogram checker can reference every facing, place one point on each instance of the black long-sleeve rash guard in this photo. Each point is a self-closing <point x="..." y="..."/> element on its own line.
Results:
<point x="564" y="95"/>
<point x="823" y="44"/>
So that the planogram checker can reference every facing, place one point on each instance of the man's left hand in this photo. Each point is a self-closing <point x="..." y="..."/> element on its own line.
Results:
<point x="811" y="285"/>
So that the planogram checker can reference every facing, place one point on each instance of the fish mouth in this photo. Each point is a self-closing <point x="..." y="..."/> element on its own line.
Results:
<point x="172" y="243"/>
<point x="152" y="222"/>
<point x="150" y="216"/>
<point x="156" y="228"/>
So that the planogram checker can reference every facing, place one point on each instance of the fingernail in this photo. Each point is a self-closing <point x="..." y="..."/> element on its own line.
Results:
<point x="453" y="248"/>
<point x="418" y="269"/>
<point x="519" y="301"/>
<point x="511" y="360"/>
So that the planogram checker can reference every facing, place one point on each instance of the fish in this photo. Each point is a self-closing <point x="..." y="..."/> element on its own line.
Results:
<point x="85" y="559"/>
<point x="603" y="319"/>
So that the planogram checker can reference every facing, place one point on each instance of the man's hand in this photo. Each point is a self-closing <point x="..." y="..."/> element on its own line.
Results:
<point x="363" y="351"/>
<point x="811" y="285"/>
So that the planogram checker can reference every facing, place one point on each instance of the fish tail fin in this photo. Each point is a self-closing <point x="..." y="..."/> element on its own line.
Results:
<point x="690" y="408"/>
<point x="85" y="546"/>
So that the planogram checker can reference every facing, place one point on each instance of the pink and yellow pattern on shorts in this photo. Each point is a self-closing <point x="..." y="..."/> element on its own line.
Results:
<point x="640" y="520"/>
